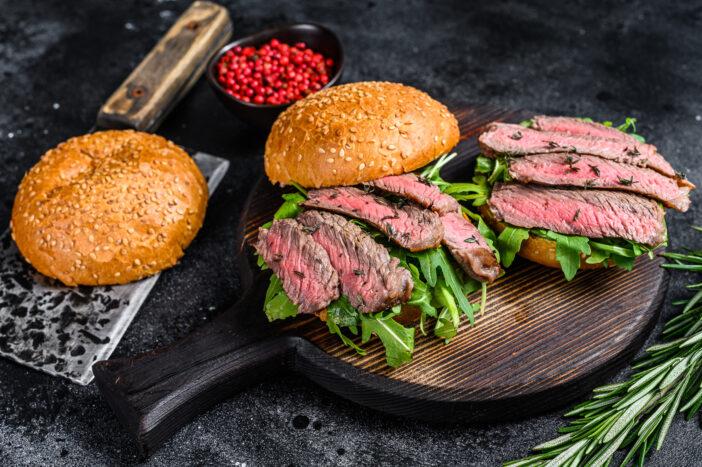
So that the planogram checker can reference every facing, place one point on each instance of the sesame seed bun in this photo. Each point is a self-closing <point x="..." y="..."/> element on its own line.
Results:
<point x="358" y="132"/>
<point x="536" y="249"/>
<point x="108" y="208"/>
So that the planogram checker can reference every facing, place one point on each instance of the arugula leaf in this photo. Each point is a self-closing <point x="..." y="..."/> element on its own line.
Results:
<point x="484" y="165"/>
<point x="623" y="261"/>
<point x="398" y="340"/>
<point x="427" y="263"/>
<point x="277" y="305"/>
<point x="499" y="172"/>
<point x="421" y="294"/>
<point x="342" y="313"/>
<point x="335" y="329"/>
<point x="260" y="262"/>
<point x="628" y="123"/>
<point x="568" y="249"/>
<point x="485" y="230"/>
<point x="509" y="242"/>
<point x="444" y="296"/>
<point x="290" y="207"/>
<point x="431" y="172"/>
<point x="527" y="123"/>
<point x="436" y="258"/>
<point x="445" y="328"/>
<point x="299" y="188"/>
<point x="597" y="255"/>
<point x="478" y="191"/>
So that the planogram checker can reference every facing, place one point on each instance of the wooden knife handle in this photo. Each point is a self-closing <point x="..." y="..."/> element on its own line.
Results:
<point x="169" y="70"/>
<point x="157" y="393"/>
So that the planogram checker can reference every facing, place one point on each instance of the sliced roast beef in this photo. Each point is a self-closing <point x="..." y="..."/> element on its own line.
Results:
<point x="408" y="225"/>
<point x="517" y="140"/>
<point x="303" y="266"/>
<point x="369" y="277"/>
<point x="594" y="172"/>
<point x="580" y="127"/>
<point x="590" y="213"/>
<point x="469" y="248"/>
<point x="419" y="190"/>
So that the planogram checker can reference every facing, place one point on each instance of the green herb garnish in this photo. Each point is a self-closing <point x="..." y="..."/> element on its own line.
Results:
<point x="627" y="181"/>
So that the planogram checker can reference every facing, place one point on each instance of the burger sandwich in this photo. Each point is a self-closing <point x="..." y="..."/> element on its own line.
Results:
<point x="372" y="228"/>
<point x="572" y="193"/>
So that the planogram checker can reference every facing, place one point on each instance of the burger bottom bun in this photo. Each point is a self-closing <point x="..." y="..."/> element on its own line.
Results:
<point x="536" y="249"/>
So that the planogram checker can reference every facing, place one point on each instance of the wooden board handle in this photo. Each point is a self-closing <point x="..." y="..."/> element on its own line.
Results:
<point x="169" y="70"/>
<point x="157" y="393"/>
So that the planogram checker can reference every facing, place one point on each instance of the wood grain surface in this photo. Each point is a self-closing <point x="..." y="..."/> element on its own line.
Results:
<point x="169" y="70"/>
<point x="541" y="343"/>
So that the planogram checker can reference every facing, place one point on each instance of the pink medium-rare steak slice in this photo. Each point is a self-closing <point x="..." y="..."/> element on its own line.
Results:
<point x="586" y="171"/>
<point x="516" y="140"/>
<point x="303" y="266"/>
<point x="469" y="248"/>
<point x="369" y="277"/>
<point x="580" y="127"/>
<point x="419" y="190"/>
<point x="409" y="226"/>
<point x="590" y="213"/>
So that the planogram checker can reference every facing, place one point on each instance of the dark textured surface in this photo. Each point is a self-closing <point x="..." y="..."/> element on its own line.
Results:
<point x="60" y="60"/>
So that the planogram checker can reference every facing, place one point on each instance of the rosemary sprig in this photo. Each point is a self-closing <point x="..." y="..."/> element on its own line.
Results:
<point x="636" y="414"/>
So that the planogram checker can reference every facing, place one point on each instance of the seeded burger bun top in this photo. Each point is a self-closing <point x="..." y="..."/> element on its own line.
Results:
<point x="358" y="132"/>
<point x="108" y="208"/>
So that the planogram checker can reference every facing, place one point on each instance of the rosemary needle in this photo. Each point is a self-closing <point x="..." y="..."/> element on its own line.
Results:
<point x="636" y="414"/>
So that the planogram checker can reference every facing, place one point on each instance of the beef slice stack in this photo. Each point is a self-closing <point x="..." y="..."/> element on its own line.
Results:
<point x="583" y="178"/>
<point x="320" y="255"/>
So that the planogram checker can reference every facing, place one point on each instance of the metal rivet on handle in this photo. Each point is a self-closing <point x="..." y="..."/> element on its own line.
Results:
<point x="138" y="91"/>
<point x="193" y="25"/>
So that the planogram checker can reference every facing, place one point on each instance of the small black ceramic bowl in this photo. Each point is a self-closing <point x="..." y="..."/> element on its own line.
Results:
<point x="317" y="37"/>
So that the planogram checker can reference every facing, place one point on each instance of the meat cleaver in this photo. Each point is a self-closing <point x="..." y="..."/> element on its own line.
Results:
<point x="64" y="330"/>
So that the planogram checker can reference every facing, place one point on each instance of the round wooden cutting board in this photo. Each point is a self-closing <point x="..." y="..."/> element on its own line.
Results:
<point x="541" y="342"/>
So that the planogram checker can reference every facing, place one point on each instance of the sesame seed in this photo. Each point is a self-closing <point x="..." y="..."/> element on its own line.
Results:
<point x="362" y="166"/>
<point x="391" y="147"/>
<point x="330" y="160"/>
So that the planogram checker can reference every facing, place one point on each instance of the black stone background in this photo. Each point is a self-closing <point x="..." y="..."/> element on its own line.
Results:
<point x="59" y="60"/>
